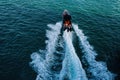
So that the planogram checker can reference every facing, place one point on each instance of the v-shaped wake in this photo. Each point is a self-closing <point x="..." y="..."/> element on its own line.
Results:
<point x="59" y="61"/>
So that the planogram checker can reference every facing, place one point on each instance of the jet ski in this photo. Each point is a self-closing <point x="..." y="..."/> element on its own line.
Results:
<point x="66" y="24"/>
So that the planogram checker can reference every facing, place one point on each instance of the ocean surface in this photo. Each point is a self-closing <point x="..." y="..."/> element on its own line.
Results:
<point x="31" y="47"/>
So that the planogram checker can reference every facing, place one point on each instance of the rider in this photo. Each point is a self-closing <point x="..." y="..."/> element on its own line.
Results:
<point x="66" y="18"/>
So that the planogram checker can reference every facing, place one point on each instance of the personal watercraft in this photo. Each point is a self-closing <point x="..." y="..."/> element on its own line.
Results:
<point x="66" y="24"/>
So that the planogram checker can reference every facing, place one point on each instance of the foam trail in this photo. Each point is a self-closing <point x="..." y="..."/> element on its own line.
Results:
<point x="98" y="70"/>
<point x="72" y="67"/>
<point x="52" y="36"/>
<point x="43" y="65"/>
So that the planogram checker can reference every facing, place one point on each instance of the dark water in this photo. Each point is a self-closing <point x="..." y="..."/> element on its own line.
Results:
<point x="23" y="26"/>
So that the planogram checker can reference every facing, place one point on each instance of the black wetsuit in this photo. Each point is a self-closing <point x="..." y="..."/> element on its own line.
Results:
<point x="66" y="18"/>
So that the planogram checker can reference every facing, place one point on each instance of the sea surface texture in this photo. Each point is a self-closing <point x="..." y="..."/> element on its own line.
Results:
<point x="32" y="47"/>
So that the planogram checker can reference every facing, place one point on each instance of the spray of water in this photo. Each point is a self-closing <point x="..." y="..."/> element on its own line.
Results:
<point x="44" y="66"/>
<point x="72" y="67"/>
<point x="97" y="70"/>
<point x="53" y="64"/>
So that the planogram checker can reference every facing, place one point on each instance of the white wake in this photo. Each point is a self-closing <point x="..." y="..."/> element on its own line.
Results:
<point x="43" y="66"/>
<point x="59" y="60"/>
<point x="72" y="67"/>
<point x="97" y="70"/>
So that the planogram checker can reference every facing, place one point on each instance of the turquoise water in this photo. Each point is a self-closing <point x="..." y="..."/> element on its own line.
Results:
<point x="23" y="26"/>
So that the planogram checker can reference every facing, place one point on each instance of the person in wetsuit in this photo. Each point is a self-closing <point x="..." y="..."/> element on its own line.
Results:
<point x="66" y="23"/>
<point x="66" y="18"/>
